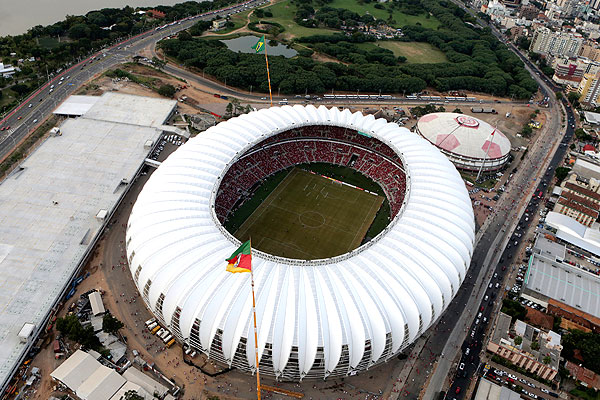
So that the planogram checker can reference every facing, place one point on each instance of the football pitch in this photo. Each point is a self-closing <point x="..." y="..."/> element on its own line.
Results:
<point x="308" y="216"/>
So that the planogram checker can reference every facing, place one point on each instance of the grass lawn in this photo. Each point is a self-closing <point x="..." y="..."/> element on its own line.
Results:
<point x="283" y="13"/>
<point x="239" y="20"/>
<point x="48" y="42"/>
<point x="310" y="217"/>
<point x="401" y="18"/>
<point x="415" y="52"/>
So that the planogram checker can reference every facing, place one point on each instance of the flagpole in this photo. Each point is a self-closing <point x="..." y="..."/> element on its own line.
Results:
<point x="268" y="74"/>
<point x="254" y="314"/>
<point x="486" y="154"/>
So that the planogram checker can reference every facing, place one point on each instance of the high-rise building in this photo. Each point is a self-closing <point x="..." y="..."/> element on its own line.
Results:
<point x="547" y="42"/>
<point x="590" y="50"/>
<point x="589" y="89"/>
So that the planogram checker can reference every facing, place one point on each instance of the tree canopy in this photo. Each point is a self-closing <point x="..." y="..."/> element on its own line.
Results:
<point x="588" y="344"/>
<point x="477" y="61"/>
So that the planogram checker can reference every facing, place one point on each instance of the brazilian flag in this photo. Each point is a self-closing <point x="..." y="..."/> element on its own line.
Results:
<point x="260" y="45"/>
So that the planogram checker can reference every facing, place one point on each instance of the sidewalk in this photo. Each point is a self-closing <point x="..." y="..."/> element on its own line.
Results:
<point x="399" y="385"/>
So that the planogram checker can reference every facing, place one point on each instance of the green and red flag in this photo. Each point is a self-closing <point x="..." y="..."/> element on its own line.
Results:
<point x="241" y="259"/>
<point x="260" y="45"/>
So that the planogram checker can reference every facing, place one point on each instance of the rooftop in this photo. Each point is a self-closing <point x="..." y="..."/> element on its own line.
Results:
<point x="76" y="106"/>
<point x="488" y="390"/>
<point x="48" y="215"/>
<point x="130" y="109"/>
<point x="584" y="201"/>
<point x="577" y="207"/>
<point x="565" y="283"/>
<point x="582" y="190"/>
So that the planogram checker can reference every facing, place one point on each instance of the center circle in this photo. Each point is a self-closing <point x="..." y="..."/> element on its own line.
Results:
<point x="312" y="219"/>
<point x="348" y="184"/>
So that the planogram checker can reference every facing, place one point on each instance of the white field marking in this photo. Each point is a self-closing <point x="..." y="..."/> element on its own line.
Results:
<point x="271" y="197"/>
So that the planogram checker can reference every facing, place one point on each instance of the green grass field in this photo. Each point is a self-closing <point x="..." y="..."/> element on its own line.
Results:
<point x="283" y="13"/>
<point x="310" y="217"/>
<point x="400" y="18"/>
<point x="415" y="52"/>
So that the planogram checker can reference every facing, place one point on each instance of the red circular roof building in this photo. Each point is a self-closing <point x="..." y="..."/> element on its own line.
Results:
<point x="468" y="142"/>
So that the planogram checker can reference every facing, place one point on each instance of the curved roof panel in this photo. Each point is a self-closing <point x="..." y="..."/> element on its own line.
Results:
<point x="386" y="292"/>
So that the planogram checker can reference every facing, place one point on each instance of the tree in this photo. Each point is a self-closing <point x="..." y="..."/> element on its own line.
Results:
<point x="588" y="344"/>
<point x="573" y="98"/>
<point x="131" y="395"/>
<point x="111" y="324"/>
<point x="547" y="360"/>
<point x="561" y="173"/>
<point x="514" y="309"/>
<point x="137" y="58"/>
<point x="457" y="110"/>
<point x="70" y="327"/>
<point x="559" y="95"/>
<point x="535" y="345"/>
<point x="518" y="340"/>
<point x="79" y="31"/>
<point x="556" y="323"/>
<point x="581" y="134"/>
<point x="523" y="42"/>
<point x="526" y="131"/>
<point x="20" y="89"/>
<point x="160" y="64"/>
<point x="229" y="110"/>
<point x="167" y="90"/>
<point x="184" y="35"/>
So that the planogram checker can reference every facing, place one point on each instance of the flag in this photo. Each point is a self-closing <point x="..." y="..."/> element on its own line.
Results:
<point x="260" y="45"/>
<point x="241" y="259"/>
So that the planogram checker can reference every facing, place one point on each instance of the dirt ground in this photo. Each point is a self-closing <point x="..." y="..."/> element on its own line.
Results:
<point x="195" y="96"/>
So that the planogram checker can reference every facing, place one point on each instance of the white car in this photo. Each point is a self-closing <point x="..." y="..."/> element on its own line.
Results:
<point x="461" y="366"/>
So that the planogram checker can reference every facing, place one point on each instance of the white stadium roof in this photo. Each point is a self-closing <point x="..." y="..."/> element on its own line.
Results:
<point x="387" y="292"/>
<point x="463" y="135"/>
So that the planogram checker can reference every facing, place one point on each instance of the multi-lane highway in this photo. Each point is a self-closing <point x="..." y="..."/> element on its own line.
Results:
<point x="24" y="118"/>
<point x="470" y="316"/>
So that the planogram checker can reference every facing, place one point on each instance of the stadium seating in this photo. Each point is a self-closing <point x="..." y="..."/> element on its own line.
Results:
<point x="309" y="144"/>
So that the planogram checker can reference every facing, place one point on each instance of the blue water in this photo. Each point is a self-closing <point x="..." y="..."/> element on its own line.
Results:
<point x="244" y="44"/>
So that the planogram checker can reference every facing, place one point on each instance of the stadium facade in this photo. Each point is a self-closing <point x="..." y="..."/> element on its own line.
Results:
<point x="470" y="143"/>
<point x="316" y="318"/>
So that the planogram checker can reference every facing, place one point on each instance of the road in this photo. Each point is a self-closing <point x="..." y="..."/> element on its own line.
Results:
<point x="27" y="116"/>
<point x="465" y="323"/>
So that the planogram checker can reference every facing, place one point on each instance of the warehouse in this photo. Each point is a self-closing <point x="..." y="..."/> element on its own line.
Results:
<point x="50" y="218"/>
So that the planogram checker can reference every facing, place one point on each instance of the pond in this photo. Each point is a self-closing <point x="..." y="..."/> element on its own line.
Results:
<point x="244" y="44"/>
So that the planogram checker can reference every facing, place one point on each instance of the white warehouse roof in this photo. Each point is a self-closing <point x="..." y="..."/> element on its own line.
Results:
<point x="464" y="135"/>
<point x="96" y="303"/>
<point x="76" y="106"/>
<point x="387" y="292"/>
<point x="100" y="385"/>
<point x="48" y="218"/>
<point x="75" y="369"/>
<point x="130" y="109"/>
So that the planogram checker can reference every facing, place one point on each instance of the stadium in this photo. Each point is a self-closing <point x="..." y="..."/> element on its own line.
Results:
<point x="470" y="143"/>
<point x="334" y="296"/>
